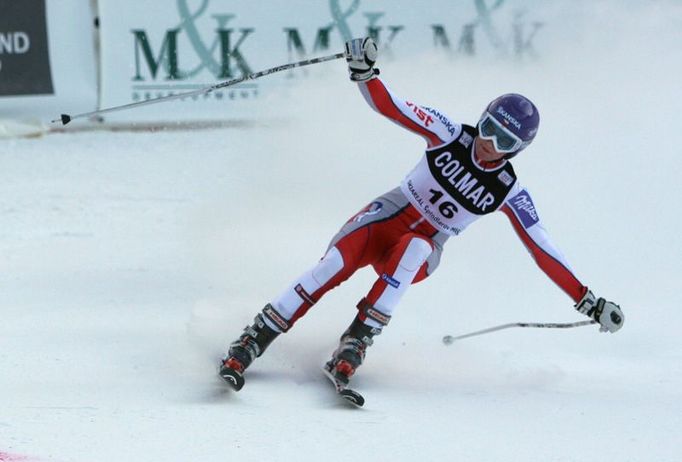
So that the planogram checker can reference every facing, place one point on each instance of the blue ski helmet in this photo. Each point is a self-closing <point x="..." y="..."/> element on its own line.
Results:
<point x="511" y="121"/>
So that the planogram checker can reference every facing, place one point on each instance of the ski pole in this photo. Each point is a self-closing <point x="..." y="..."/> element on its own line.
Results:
<point x="66" y="118"/>
<point x="449" y="339"/>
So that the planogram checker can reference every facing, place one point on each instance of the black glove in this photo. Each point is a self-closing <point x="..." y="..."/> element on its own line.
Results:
<point x="606" y="313"/>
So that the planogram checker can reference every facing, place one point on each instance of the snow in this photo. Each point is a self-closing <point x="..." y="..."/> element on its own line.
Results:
<point x="129" y="261"/>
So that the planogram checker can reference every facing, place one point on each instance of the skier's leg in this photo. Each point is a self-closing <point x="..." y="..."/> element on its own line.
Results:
<point x="342" y="259"/>
<point x="337" y="265"/>
<point x="353" y="247"/>
<point x="359" y="243"/>
<point x="404" y="264"/>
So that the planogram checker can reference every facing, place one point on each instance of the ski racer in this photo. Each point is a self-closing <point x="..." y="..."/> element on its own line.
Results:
<point x="464" y="175"/>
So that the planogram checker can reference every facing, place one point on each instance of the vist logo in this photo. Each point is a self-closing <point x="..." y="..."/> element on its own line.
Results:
<point x="421" y="115"/>
<point x="524" y="208"/>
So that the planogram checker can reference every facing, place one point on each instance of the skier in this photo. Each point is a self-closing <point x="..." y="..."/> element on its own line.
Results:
<point x="464" y="175"/>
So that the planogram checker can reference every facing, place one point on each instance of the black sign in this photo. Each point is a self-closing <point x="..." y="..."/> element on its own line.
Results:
<point x="24" y="53"/>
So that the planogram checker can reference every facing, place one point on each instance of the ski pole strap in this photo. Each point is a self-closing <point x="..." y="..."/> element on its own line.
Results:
<point x="449" y="339"/>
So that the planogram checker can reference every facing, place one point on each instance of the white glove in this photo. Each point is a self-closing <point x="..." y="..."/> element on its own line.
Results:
<point x="361" y="54"/>
<point x="606" y="313"/>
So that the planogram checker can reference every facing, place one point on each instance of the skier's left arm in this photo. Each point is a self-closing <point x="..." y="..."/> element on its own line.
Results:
<point x="520" y="210"/>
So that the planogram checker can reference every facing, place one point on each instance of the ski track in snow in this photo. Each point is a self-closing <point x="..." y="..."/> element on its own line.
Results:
<point x="129" y="261"/>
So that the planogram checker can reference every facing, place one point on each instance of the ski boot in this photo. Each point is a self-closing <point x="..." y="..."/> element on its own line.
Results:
<point x="351" y="351"/>
<point x="243" y="351"/>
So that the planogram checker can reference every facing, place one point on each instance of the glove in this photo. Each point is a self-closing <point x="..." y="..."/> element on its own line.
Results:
<point x="606" y="313"/>
<point x="361" y="54"/>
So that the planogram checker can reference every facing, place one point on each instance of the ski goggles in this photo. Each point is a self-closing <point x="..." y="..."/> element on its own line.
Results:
<point x="504" y="140"/>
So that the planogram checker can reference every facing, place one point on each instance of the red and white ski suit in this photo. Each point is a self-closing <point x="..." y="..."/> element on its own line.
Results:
<point x="402" y="233"/>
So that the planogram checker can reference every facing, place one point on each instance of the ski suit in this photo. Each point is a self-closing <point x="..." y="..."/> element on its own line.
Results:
<point x="402" y="233"/>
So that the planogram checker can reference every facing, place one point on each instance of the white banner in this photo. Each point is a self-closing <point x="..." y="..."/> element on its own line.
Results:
<point x="47" y="59"/>
<point x="151" y="49"/>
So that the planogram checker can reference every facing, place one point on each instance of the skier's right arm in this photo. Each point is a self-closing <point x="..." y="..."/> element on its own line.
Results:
<point x="428" y="123"/>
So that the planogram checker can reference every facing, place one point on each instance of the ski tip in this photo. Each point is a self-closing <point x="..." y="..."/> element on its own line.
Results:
<point x="352" y="397"/>
<point x="349" y="396"/>
<point x="232" y="377"/>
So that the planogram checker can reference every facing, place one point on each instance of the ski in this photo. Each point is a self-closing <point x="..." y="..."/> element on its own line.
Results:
<point x="233" y="377"/>
<point x="349" y="395"/>
<point x="235" y="380"/>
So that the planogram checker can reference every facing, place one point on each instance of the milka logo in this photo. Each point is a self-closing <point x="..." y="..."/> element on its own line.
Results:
<point x="508" y="117"/>
<point x="525" y="209"/>
<point x="523" y="202"/>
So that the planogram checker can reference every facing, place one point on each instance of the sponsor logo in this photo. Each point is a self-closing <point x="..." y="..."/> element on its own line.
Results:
<point x="508" y="117"/>
<point x="304" y="294"/>
<point x="24" y="53"/>
<point x="390" y="281"/>
<point x="209" y="39"/>
<point x="378" y="316"/>
<point x="463" y="181"/>
<point x="372" y="209"/>
<point x="443" y="119"/>
<point x="465" y="139"/>
<point x="525" y="209"/>
<point x="505" y="178"/>
<point x="275" y="317"/>
<point x="14" y="42"/>
<point x="421" y="114"/>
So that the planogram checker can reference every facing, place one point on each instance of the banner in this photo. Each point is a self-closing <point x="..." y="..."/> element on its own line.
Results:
<point x="24" y="57"/>
<point x="162" y="48"/>
<point x="47" y="59"/>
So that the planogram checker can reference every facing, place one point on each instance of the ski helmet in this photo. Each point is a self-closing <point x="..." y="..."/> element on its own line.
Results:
<point x="511" y="121"/>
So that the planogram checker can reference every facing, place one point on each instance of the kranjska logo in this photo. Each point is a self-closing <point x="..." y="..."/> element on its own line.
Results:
<point x="508" y="117"/>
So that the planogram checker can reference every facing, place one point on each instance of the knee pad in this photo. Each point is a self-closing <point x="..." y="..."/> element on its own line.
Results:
<point x="416" y="252"/>
<point x="329" y="266"/>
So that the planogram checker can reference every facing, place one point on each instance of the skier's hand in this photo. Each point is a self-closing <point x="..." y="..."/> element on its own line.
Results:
<point x="361" y="54"/>
<point x="606" y="313"/>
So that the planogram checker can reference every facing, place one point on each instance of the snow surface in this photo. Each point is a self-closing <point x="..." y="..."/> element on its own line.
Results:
<point x="129" y="261"/>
